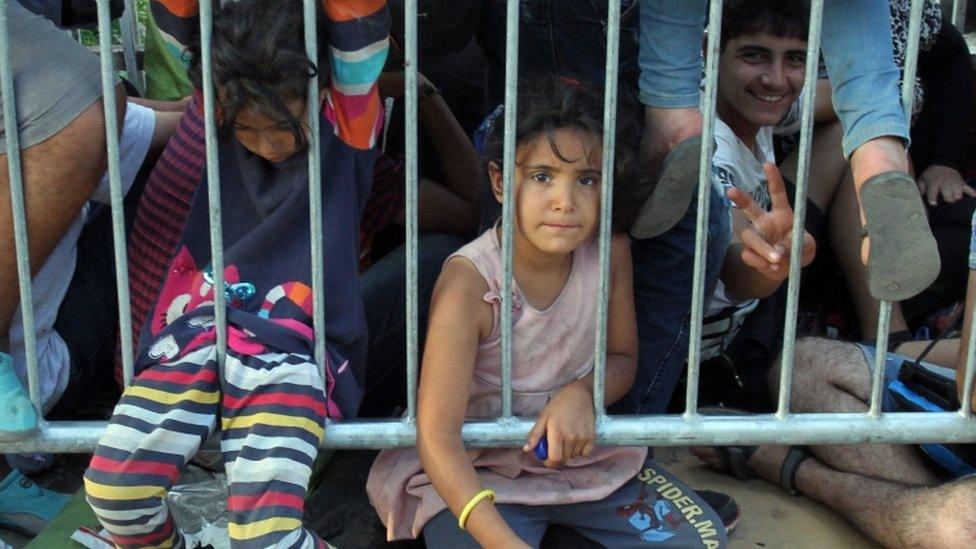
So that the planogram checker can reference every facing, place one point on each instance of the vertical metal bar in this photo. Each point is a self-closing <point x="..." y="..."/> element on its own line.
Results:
<point x="907" y="101"/>
<point x="606" y="205"/>
<point x="508" y="202"/>
<point x="213" y="179"/>
<point x="411" y="166"/>
<point x="315" y="188"/>
<point x="800" y="206"/>
<point x="17" y="208"/>
<point x="115" y="185"/>
<point x="911" y="58"/>
<point x="880" y="356"/>
<point x="704" y="194"/>
<point x="130" y="43"/>
<point x="967" y="389"/>
<point x="959" y="14"/>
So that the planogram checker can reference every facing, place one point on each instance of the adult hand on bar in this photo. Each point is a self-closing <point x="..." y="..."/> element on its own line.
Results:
<point x="768" y="240"/>
<point x="568" y="423"/>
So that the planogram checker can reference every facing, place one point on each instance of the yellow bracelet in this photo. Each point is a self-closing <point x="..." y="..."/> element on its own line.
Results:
<point x="486" y="493"/>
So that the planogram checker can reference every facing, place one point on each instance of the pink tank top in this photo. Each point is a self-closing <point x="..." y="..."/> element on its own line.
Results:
<point x="550" y="349"/>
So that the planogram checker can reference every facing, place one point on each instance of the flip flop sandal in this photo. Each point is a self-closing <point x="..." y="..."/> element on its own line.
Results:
<point x="787" y="472"/>
<point x="672" y="195"/>
<point x="18" y="418"/>
<point x="25" y="507"/>
<point x="735" y="458"/>
<point x="903" y="258"/>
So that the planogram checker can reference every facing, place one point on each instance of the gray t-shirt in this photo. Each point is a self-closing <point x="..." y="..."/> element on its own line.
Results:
<point x="51" y="282"/>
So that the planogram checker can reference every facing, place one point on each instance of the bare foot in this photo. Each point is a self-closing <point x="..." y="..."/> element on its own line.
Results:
<point x="875" y="157"/>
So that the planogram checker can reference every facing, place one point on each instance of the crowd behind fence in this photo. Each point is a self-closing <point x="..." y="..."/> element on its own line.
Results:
<point x="781" y="427"/>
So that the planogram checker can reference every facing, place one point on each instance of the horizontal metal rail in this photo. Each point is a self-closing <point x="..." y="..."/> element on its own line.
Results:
<point x="672" y="430"/>
<point x="690" y="428"/>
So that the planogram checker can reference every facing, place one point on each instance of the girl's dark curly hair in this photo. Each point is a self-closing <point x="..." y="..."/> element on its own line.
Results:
<point x="551" y="103"/>
<point x="259" y="62"/>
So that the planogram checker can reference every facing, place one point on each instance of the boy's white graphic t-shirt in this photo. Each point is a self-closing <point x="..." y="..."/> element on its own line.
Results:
<point x="735" y="165"/>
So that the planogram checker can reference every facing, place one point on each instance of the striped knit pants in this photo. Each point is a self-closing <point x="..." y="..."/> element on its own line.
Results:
<point x="271" y="409"/>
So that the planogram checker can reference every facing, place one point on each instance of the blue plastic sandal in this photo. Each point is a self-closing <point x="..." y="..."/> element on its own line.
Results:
<point x="25" y="507"/>
<point x="18" y="419"/>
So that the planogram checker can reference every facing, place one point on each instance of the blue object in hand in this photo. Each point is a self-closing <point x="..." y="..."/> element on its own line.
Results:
<point x="541" y="449"/>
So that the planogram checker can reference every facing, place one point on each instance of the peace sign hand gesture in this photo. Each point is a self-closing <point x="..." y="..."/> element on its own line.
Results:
<point x="767" y="240"/>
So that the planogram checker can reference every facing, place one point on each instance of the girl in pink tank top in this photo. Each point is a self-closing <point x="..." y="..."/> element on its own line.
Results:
<point x="508" y="496"/>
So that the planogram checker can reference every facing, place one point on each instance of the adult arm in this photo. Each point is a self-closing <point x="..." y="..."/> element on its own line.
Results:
<point x="459" y="319"/>
<point x="453" y="206"/>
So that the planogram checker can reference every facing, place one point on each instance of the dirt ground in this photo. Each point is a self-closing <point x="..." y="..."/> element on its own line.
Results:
<point x="342" y="513"/>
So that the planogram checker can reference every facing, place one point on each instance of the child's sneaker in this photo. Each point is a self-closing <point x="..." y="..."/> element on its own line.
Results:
<point x="724" y="506"/>
<point x="18" y="419"/>
<point x="25" y="507"/>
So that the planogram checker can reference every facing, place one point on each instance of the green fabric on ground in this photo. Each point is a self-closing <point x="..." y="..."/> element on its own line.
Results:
<point x="76" y="513"/>
<point x="166" y="78"/>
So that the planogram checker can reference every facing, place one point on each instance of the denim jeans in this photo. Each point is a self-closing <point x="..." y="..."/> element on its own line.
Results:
<point x="663" y="272"/>
<point x="856" y="45"/>
<point x="384" y="296"/>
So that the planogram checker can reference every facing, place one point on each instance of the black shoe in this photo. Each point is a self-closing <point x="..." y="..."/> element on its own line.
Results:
<point x="725" y="507"/>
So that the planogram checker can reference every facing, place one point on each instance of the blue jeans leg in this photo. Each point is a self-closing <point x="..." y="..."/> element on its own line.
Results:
<point x="856" y="45"/>
<point x="529" y="522"/>
<point x="663" y="270"/>
<point x="670" y="52"/>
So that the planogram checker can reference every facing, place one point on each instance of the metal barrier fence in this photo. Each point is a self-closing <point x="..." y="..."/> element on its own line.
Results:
<point x="782" y="427"/>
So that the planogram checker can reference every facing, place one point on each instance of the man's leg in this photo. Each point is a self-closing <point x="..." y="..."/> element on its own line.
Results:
<point x="856" y="48"/>
<point x="663" y="271"/>
<point x="830" y="187"/>
<point x="886" y="490"/>
<point x="892" y="513"/>
<point x="670" y="72"/>
<point x="844" y="221"/>
<point x="835" y="376"/>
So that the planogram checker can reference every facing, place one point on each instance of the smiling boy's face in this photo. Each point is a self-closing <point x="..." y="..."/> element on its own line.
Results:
<point x="759" y="77"/>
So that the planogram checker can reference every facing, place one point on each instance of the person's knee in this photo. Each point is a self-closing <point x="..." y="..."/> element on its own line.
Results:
<point x="817" y="366"/>
<point x="805" y="364"/>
